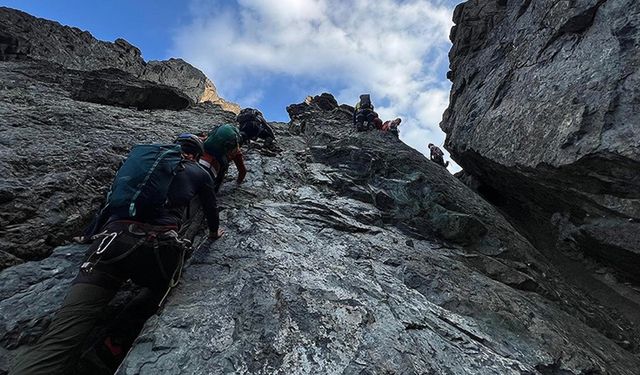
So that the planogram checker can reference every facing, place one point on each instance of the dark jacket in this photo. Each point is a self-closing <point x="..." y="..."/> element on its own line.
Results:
<point x="256" y="128"/>
<point x="188" y="183"/>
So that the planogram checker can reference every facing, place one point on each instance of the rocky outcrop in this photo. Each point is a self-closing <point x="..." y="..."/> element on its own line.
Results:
<point x="178" y="73"/>
<point x="25" y="35"/>
<point x="115" y="87"/>
<point x="58" y="154"/>
<point x="543" y="116"/>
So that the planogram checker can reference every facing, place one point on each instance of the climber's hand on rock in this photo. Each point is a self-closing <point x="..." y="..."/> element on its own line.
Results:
<point x="215" y="236"/>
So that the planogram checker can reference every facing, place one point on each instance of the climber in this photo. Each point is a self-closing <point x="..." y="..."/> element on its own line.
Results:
<point x="377" y="122"/>
<point x="391" y="126"/>
<point x="437" y="156"/>
<point x="145" y="248"/>
<point x="364" y="118"/>
<point x="221" y="147"/>
<point x="254" y="126"/>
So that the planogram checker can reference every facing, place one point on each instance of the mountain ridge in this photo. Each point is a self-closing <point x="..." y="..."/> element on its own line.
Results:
<point x="77" y="49"/>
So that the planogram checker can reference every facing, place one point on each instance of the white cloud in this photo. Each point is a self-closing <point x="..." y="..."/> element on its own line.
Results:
<point x="394" y="49"/>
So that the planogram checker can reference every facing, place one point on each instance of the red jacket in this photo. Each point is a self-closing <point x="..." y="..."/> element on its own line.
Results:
<point x="235" y="156"/>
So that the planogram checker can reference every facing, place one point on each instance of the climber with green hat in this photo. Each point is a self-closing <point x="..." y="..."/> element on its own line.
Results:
<point x="222" y="146"/>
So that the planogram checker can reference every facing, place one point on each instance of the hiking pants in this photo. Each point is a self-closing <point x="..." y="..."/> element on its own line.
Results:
<point x="439" y="160"/>
<point x="362" y="117"/>
<point x="138" y="252"/>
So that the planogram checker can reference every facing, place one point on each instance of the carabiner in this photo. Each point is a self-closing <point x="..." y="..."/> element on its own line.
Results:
<point x="111" y="236"/>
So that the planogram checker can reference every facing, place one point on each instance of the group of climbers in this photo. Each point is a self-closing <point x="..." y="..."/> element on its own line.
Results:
<point x="139" y="236"/>
<point x="365" y="118"/>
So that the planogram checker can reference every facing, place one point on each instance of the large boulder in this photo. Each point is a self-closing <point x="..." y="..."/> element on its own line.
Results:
<point x="544" y="119"/>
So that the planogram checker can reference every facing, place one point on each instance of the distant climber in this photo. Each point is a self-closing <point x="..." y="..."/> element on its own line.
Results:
<point x="364" y="117"/>
<point x="221" y="147"/>
<point x="140" y="241"/>
<point x="254" y="126"/>
<point x="437" y="156"/>
<point x="377" y="122"/>
<point x="391" y="126"/>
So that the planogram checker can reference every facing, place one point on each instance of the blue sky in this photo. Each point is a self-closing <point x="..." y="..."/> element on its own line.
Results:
<point x="272" y="53"/>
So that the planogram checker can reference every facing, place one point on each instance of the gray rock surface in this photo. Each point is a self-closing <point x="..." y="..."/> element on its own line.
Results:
<point x="334" y="262"/>
<point x="25" y="35"/>
<point x="544" y="117"/>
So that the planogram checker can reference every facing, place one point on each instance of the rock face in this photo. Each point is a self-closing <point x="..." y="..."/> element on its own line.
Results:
<point x="346" y="253"/>
<point x="544" y="117"/>
<point x="180" y="74"/>
<point x="25" y="35"/>
<point x="58" y="154"/>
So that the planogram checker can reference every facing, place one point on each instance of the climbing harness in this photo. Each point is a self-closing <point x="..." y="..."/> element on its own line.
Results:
<point x="107" y="239"/>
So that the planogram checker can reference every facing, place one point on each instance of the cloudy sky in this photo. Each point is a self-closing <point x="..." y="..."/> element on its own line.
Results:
<point x="272" y="53"/>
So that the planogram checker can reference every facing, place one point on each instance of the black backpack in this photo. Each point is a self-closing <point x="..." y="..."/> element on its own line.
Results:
<point x="365" y="102"/>
<point x="248" y="115"/>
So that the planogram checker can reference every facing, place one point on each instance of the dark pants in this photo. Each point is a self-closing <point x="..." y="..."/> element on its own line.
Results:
<point x="364" y="120"/>
<point x="439" y="160"/>
<point x="136" y="253"/>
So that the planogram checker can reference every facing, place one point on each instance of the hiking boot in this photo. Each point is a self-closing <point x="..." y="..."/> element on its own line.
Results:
<point x="101" y="359"/>
<point x="110" y="352"/>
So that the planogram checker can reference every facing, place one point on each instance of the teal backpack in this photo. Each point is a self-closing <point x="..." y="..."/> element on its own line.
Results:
<point x="141" y="184"/>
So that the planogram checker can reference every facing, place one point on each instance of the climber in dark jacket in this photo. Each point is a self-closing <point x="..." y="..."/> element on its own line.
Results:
<point x="254" y="126"/>
<point x="364" y="118"/>
<point x="147" y="251"/>
<point x="437" y="156"/>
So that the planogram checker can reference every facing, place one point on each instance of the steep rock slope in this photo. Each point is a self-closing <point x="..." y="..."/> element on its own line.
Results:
<point x="335" y="262"/>
<point x="334" y="254"/>
<point x="544" y="117"/>
<point x="345" y="253"/>
<point x="24" y="35"/>
<point x="58" y="152"/>
<point x="337" y="259"/>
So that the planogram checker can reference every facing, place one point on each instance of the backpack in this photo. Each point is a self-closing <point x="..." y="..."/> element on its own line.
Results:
<point x="221" y="140"/>
<point x="437" y="152"/>
<point x="365" y="102"/>
<point x="141" y="184"/>
<point x="248" y="115"/>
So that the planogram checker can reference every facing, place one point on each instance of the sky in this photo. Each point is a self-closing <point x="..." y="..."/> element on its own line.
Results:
<point x="268" y="54"/>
